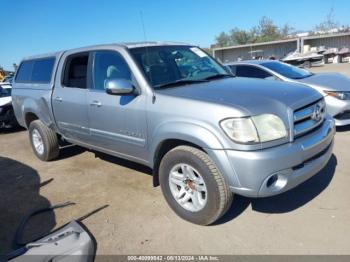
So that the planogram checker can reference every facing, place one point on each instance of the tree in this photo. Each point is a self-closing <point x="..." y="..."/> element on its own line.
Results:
<point x="287" y="30"/>
<point x="328" y="24"/>
<point x="223" y="39"/>
<point x="240" y="37"/>
<point x="265" y="31"/>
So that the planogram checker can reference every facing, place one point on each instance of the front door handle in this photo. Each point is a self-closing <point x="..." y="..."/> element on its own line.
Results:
<point x="59" y="99"/>
<point x="96" y="103"/>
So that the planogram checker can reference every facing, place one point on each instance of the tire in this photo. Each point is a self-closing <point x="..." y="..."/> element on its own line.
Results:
<point x="217" y="197"/>
<point x="48" y="138"/>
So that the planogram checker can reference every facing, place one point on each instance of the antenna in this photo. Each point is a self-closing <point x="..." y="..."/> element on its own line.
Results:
<point x="147" y="53"/>
<point x="143" y="26"/>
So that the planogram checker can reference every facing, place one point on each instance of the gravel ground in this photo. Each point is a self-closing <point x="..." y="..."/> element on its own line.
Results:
<point x="314" y="218"/>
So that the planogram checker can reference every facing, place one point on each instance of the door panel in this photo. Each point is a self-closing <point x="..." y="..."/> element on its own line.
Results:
<point x="70" y="110"/>
<point x="117" y="123"/>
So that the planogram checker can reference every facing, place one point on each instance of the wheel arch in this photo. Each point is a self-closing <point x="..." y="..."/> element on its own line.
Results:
<point x="34" y="109"/>
<point x="181" y="134"/>
<point x="30" y="117"/>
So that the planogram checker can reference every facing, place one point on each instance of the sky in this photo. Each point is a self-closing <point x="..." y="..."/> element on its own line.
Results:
<point x="31" y="27"/>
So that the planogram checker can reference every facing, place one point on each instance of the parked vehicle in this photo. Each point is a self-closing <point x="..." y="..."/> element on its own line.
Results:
<point x="172" y="107"/>
<point x="7" y="117"/>
<point x="334" y="87"/>
<point x="306" y="60"/>
<point x="344" y="55"/>
<point x="7" y="80"/>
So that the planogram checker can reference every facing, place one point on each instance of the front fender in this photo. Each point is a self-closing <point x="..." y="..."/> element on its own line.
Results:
<point x="200" y="136"/>
<point x="190" y="132"/>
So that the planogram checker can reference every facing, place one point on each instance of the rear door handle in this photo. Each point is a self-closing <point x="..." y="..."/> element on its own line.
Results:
<point x="59" y="99"/>
<point x="96" y="103"/>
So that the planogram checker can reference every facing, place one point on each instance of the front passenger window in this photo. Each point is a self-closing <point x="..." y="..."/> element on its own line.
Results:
<point x="251" y="71"/>
<point x="109" y="65"/>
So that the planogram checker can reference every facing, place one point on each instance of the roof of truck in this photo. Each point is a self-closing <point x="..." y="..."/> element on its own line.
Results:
<point x="151" y="43"/>
<point x="128" y="45"/>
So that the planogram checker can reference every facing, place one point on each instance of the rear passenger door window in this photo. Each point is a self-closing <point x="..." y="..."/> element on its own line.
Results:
<point x="251" y="71"/>
<point x="76" y="71"/>
<point x="109" y="65"/>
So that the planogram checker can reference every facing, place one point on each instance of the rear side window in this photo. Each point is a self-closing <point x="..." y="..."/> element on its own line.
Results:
<point x="36" y="71"/>
<point x="42" y="70"/>
<point x="25" y="71"/>
<point x="251" y="71"/>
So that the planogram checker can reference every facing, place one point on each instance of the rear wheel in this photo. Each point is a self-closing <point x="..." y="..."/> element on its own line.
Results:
<point x="43" y="140"/>
<point x="192" y="185"/>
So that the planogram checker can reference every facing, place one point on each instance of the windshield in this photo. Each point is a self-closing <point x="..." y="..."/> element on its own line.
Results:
<point x="165" y="65"/>
<point x="4" y="92"/>
<point x="286" y="70"/>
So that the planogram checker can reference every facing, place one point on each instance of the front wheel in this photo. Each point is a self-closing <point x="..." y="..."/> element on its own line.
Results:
<point x="192" y="185"/>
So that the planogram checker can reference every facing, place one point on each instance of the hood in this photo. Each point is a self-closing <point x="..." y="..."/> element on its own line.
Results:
<point x="250" y="95"/>
<point x="328" y="81"/>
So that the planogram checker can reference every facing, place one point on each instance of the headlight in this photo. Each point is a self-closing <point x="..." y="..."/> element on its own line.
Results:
<point x="340" y="95"/>
<point x="241" y="130"/>
<point x="256" y="129"/>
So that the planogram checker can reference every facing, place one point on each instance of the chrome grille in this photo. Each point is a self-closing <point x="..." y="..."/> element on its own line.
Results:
<point x="308" y="118"/>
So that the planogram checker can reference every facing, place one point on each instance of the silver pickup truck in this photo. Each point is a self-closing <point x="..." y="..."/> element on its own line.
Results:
<point x="172" y="107"/>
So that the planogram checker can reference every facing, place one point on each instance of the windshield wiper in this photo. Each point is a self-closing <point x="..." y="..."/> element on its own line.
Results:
<point x="180" y="82"/>
<point x="218" y="76"/>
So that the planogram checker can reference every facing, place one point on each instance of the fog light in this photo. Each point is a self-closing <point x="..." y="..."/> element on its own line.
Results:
<point x="271" y="180"/>
<point x="276" y="182"/>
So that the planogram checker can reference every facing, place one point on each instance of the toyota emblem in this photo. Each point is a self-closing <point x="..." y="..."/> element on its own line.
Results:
<point x="317" y="114"/>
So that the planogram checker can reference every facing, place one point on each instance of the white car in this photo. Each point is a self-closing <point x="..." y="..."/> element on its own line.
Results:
<point x="7" y="117"/>
<point x="334" y="87"/>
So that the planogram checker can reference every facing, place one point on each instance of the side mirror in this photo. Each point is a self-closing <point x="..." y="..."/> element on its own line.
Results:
<point x="119" y="87"/>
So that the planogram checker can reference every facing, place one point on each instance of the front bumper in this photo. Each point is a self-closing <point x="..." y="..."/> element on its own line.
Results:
<point x="3" y="113"/>
<point x="275" y="170"/>
<point x="339" y="109"/>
